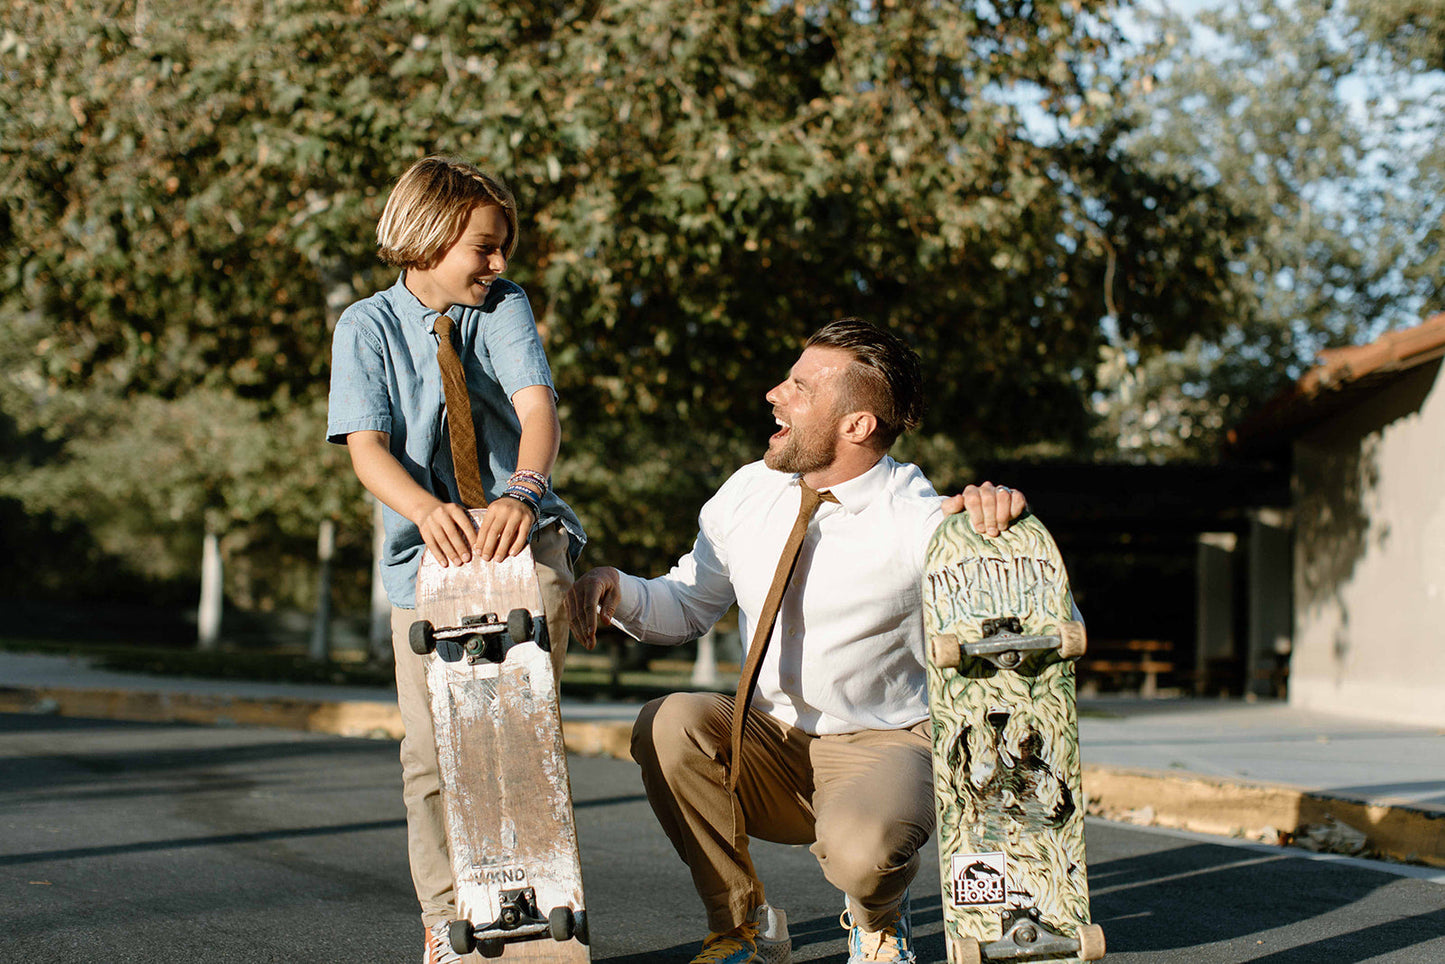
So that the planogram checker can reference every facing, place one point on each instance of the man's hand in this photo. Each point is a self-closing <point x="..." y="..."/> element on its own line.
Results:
<point x="991" y="508"/>
<point x="447" y="531"/>
<point x="593" y="598"/>
<point x="504" y="529"/>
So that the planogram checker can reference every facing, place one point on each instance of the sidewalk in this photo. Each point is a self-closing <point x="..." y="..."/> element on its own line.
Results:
<point x="1257" y="770"/>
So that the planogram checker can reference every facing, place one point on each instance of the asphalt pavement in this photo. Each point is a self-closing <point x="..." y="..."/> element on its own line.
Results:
<point x="1262" y="771"/>
<point x="136" y="843"/>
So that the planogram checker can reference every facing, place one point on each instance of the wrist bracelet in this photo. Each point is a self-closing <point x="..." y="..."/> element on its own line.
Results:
<point x="525" y="496"/>
<point x="537" y="479"/>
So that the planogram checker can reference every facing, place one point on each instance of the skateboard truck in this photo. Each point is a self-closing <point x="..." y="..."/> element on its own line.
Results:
<point x="1006" y="646"/>
<point x="1027" y="938"/>
<point x="518" y="919"/>
<point x="479" y="637"/>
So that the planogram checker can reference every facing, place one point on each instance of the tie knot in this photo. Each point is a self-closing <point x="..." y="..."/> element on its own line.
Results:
<point x="443" y="326"/>
<point x="811" y="497"/>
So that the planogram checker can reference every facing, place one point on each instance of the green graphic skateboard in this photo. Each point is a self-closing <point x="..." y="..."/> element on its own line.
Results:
<point x="999" y="620"/>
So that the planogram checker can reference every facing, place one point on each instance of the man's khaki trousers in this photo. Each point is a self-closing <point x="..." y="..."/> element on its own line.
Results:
<point x="864" y="801"/>
<point x="426" y="839"/>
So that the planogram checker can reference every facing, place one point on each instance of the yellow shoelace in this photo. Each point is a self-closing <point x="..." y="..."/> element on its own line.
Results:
<point x="719" y="947"/>
<point x="888" y="937"/>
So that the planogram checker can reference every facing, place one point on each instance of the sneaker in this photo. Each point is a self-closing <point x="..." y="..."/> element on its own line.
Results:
<point x="890" y="944"/>
<point x="737" y="946"/>
<point x="438" y="948"/>
<point x="774" y="944"/>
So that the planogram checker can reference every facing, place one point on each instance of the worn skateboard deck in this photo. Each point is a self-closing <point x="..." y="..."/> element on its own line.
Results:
<point x="482" y="630"/>
<point x="998" y="617"/>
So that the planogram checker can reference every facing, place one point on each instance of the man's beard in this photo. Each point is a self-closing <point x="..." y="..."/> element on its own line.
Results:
<point x="801" y="453"/>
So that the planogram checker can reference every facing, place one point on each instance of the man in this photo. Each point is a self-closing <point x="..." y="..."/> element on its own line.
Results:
<point x="833" y="749"/>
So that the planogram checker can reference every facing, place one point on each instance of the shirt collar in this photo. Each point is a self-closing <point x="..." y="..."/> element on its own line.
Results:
<point x="858" y="493"/>
<point x="408" y="306"/>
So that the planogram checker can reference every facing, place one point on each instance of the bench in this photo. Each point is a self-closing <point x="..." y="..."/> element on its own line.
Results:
<point x="1127" y="664"/>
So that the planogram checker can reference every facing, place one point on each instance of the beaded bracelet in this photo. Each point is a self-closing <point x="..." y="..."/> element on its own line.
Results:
<point x="523" y="476"/>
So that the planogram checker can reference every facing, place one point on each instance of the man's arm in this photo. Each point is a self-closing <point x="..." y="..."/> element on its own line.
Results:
<point x="592" y="600"/>
<point x="445" y="527"/>
<point x="991" y="508"/>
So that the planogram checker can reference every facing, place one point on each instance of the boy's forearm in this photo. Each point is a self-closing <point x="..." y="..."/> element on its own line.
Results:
<point x="541" y="430"/>
<point x="540" y="442"/>
<point x="384" y="477"/>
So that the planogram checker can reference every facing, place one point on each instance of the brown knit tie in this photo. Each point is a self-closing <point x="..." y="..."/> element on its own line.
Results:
<point x="459" y="418"/>
<point x="764" y="631"/>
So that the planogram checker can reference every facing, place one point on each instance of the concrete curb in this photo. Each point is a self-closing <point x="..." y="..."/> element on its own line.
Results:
<point x="354" y="718"/>
<point x="1394" y="830"/>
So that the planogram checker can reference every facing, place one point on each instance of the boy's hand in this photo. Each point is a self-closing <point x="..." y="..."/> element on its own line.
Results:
<point x="447" y="532"/>
<point x="592" y="598"/>
<point x="504" y="529"/>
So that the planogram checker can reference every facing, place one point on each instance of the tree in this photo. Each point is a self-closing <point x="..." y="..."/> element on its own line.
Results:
<point x="192" y="192"/>
<point x="1300" y="129"/>
<point x="1413" y="29"/>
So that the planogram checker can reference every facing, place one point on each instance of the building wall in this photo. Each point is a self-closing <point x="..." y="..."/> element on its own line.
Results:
<point x="1370" y="556"/>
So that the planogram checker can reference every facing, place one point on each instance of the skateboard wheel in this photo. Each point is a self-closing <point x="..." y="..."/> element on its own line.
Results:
<point x="422" y="638"/>
<point x="462" y="938"/>
<point x="579" y="928"/>
<point x="1073" y="641"/>
<point x="560" y="923"/>
<point x="1091" y="942"/>
<point x="491" y="948"/>
<point x="519" y="625"/>
<point x="965" y="950"/>
<point x="945" y="650"/>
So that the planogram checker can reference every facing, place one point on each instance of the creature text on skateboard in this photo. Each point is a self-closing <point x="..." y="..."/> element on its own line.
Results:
<point x="999" y="620"/>
<point x="481" y="628"/>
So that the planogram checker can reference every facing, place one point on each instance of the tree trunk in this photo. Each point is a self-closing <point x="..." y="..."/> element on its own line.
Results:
<point x="321" y="628"/>
<point x="381" y="651"/>
<point x="208" y="617"/>
<point x="704" y="668"/>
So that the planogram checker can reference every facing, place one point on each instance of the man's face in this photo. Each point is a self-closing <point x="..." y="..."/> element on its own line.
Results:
<point x="806" y="405"/>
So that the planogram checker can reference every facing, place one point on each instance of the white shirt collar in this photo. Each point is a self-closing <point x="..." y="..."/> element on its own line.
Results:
<point x="857" y="493"/>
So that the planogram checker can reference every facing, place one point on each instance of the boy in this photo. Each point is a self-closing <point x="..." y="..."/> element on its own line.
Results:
<point x="451" y="229"/>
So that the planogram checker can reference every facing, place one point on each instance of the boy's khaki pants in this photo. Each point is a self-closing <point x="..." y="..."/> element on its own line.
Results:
<point x="864" y="801"/>
<point x="426" y="839"/>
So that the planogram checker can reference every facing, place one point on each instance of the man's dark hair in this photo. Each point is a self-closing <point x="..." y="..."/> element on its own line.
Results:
<point x="884" y="379"/>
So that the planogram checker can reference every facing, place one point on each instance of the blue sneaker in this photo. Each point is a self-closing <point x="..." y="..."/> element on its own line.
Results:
<point x="891" y="944"/>
<point x="737" y="946"/>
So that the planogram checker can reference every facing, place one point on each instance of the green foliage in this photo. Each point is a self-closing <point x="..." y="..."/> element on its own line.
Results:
<point x="191" y="193"/>
<point x="1327" y="168"/>
<point x="1413" y="29"/>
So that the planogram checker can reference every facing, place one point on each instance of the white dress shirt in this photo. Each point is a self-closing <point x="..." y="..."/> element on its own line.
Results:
<point x="847" y="650"/>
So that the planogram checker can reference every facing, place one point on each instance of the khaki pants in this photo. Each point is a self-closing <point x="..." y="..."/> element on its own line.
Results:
<point x="426" y="840"/>
<point x="864" y="801"/>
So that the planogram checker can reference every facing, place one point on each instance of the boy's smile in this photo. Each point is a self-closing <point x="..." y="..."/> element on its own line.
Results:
<point x="466" y="270"/>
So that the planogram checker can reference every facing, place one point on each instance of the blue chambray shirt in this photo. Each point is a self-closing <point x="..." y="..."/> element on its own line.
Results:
<point x="385" y="378"/>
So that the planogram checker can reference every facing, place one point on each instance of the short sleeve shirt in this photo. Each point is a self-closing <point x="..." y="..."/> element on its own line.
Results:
<point x="385" y="378"/>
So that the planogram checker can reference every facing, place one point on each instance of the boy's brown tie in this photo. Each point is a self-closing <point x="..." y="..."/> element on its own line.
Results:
<point x="459" y="418"/>
<point x="748" y="681"/>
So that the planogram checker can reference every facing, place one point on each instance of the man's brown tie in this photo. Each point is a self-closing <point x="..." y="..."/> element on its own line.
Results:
<point x="459" y="418"/>
<point x="748" y="682"/>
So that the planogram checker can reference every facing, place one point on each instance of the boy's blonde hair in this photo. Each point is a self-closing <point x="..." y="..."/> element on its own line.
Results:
<point x="429" y="207"/>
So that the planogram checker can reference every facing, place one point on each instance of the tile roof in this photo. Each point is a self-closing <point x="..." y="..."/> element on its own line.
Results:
<point x="1340" y="375"/>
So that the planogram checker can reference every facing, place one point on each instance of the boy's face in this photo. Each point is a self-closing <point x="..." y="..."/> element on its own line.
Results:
<point x="467" y="269"/>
